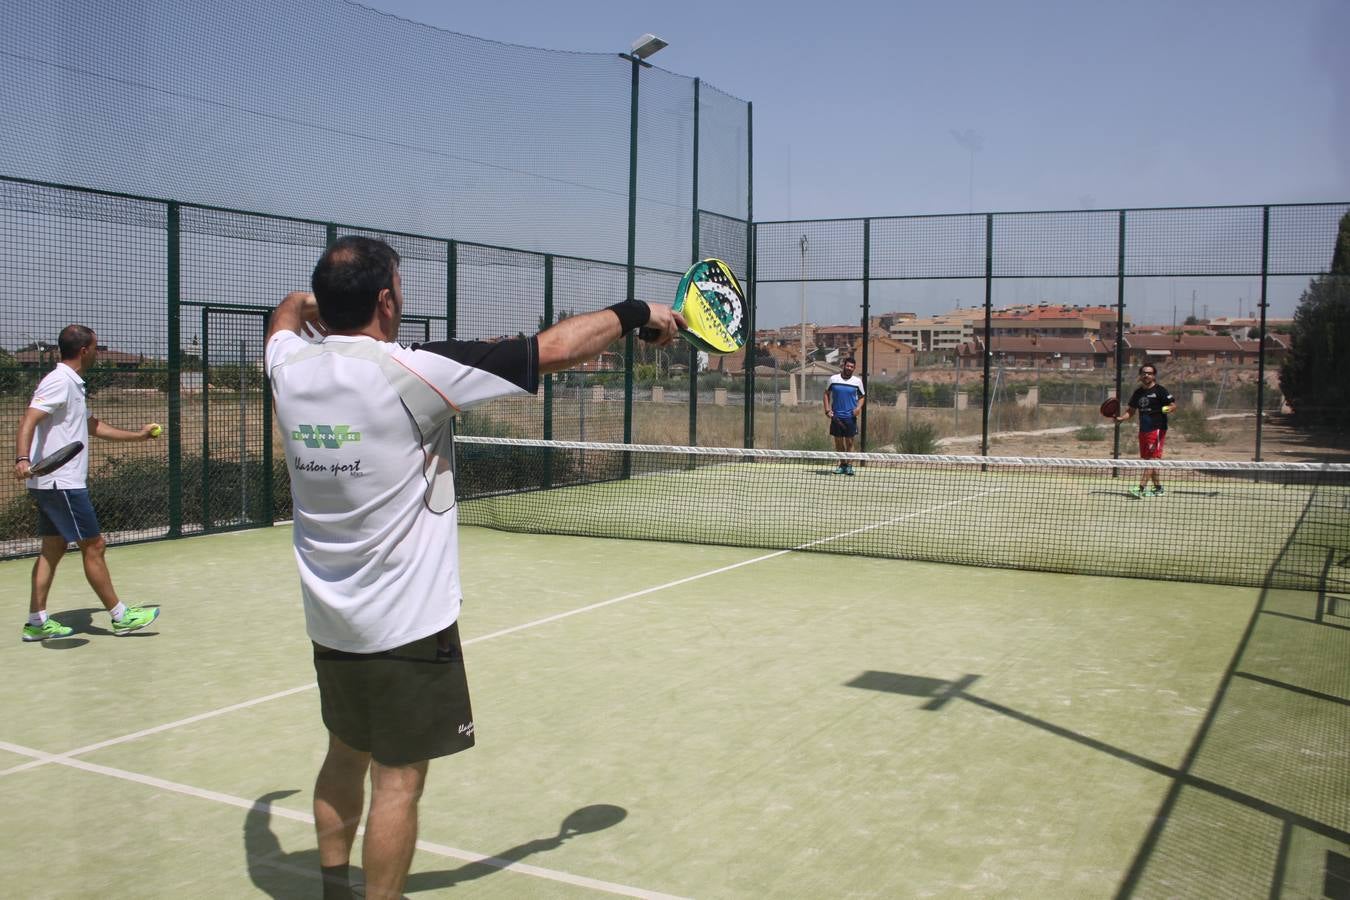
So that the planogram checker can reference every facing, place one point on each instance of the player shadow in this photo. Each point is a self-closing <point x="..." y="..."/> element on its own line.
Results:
<point x="280" y="874"/>
<point x="87" y="622"/>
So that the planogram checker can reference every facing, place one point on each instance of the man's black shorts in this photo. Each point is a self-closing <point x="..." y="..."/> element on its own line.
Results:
<point x="401" y="706"/>
<point x="843" y="426"/>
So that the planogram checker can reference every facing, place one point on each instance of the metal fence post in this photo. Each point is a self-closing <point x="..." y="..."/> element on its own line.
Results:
<point x="696" y="254"/>
<point x="1261" y="331"/>
<point x="175" y="336"/>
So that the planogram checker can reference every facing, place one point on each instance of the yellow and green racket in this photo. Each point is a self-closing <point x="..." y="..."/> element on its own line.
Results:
<point x="713" y="306"/>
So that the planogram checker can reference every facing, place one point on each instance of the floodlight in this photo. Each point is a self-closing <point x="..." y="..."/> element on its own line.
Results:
<point x="647" y="45"/>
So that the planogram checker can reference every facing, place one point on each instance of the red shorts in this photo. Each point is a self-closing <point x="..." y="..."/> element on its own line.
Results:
<point x="1151" y="444"/>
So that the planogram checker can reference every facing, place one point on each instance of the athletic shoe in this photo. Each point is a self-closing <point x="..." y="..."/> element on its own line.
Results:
<point x="48" y="629"/>
<point x="1157" y="491"/>
<point x="839" y="470"/>
<point x="135" y="618"/>
<point x="1137" y="493"/>
<point x="848" y="470"/>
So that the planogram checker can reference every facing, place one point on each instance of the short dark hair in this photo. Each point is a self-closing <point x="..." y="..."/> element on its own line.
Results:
<point x="849" y="359"/>
<point x="73" y="339"/>
<point x="1148" y="366"/>
<point x="348" y="279"/>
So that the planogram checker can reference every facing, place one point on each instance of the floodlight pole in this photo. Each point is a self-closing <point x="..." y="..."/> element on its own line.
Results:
<point x="643" y="47"/>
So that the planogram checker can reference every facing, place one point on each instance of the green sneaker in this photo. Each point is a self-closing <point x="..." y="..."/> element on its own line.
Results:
<point x="1157" y="491"/>
<point x="48" y="629"/>
<point x="135" y="618"/>
<point x="1137" y="493"/>
<point x="848" y="470"/>
<point x="839" y="470"/>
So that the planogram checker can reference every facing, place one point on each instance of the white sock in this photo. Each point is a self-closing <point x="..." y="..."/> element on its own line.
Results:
<point x="38" y="619"/>
<point x="118" y="611"/>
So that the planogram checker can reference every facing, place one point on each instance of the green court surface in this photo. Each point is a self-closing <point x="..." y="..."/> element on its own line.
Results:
<point x="655" y="720"/>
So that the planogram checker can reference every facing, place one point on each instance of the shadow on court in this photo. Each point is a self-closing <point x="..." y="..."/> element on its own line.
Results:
<point x="296" y="874"/>
<point x="1269" y="750"/>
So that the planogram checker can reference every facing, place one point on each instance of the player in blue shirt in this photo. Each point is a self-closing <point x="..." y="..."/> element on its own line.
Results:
<point x="844" y="398"/>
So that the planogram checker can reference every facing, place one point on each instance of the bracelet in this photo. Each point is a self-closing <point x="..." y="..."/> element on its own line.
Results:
<point x="632" y="314"/>
<point x="22" y="459"/>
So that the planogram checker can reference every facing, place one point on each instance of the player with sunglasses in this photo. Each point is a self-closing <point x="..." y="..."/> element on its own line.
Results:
<point x="1153" y="402"/>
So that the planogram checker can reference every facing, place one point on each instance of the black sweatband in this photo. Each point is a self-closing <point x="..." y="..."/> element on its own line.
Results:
<point x="632" y="314"/>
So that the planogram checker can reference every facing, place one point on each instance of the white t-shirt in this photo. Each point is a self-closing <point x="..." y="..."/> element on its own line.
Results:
<point x="60" y="394"/>
<point x="366" y="430"/>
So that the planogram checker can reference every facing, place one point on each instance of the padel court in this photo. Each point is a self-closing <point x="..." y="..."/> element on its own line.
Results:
<point x="658" y="721"/>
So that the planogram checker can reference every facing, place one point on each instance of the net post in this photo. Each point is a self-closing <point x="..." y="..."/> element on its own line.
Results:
<point x="1261" y="331"/>
<point x="866" y="321"/>
<point x="174" y="279"/>
<point x="548" y="376"/>
<point x="1120" y="329"/>
<point x="749" y="439"/>
<point x="696" y="254"/>
<point x="547" y="323"/>
<point x="988" y="331"/>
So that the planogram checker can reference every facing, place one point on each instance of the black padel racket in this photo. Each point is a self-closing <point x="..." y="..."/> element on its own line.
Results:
<point x="56" y="459"/>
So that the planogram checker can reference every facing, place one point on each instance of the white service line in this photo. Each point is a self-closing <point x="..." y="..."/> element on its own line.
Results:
<point x="282" y="812"/>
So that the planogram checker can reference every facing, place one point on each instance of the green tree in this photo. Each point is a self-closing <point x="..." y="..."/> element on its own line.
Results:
<point x="1315" y="377"/>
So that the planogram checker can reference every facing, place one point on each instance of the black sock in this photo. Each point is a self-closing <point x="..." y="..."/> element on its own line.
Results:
<point x="335" y="884"/>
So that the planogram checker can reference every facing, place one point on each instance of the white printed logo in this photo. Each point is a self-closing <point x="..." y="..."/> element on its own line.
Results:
<point x="466" y="729"/>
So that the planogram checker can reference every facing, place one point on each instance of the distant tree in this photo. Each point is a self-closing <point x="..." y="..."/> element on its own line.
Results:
<point x="1315" y="376"/>
<point x="1191" y="320"/>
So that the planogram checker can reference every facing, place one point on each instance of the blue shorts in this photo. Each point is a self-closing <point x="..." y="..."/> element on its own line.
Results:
<point x="843" y="426"/>
<point x="67" y="513"/>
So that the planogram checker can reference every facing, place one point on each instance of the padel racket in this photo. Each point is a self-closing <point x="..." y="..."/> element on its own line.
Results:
<point x="713" y="306"/>
<point x="56" y="459"/>
<point x="1110" y="407"/>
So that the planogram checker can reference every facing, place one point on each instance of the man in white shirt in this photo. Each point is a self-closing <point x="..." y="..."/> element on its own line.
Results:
<point x="368" y="448"/>
<point x="844" y="398"/>
<point x="56" y="416"/>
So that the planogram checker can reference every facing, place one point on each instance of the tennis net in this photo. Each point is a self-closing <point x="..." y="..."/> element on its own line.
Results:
<point x="1284" y="525"/>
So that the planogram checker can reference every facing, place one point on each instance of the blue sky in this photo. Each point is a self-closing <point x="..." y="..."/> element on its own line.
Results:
<point x="1073" y="103"/>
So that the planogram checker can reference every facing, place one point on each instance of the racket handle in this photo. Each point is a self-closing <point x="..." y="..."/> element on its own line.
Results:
<point x="648" y="334"/>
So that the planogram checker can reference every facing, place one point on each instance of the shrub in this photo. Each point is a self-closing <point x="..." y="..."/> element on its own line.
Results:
<point x="917" y="437"/>
<point x="1090" y="433"/>
<point x="1195" y="426"/>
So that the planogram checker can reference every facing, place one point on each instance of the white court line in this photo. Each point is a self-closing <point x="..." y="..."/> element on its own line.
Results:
<point x="39" y="758"/>
<point x="711" y="572"/>
<point x="282" y="812"/>
<point x="157" y="729"/>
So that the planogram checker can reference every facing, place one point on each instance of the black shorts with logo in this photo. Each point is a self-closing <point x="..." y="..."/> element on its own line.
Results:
<point x="401" y="706"/>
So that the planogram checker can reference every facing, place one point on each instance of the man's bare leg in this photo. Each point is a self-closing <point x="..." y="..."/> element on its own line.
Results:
<point x="44" y="570"/>
<point x="96" y="570"/>
<point x="339" y="794"/>
<point x="391" y="827"/>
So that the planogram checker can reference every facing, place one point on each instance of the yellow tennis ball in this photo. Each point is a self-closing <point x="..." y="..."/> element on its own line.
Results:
<point x="156" y="430"/>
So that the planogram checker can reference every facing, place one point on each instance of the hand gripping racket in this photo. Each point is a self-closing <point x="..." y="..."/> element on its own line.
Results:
<point x="56" y="459"/>
<point x="713" y="306"/>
